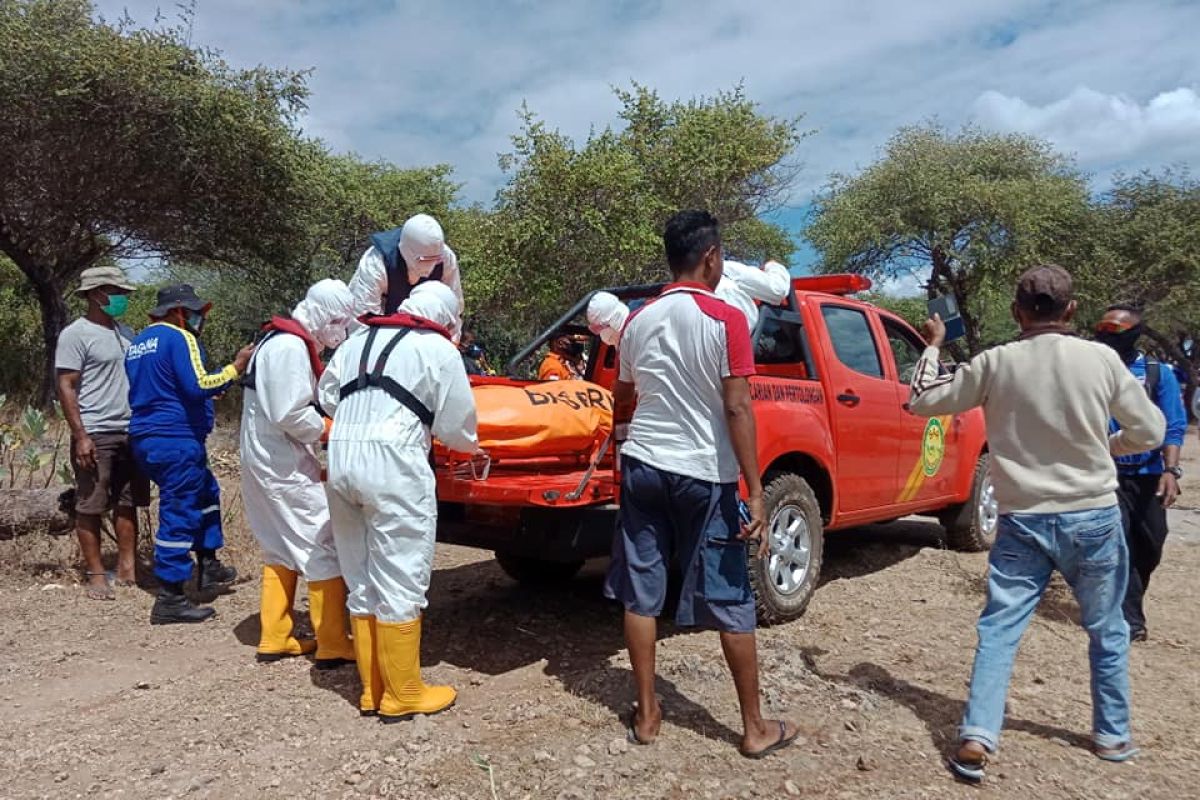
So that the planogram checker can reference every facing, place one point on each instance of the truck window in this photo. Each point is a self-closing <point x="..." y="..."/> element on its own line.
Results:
<point x="850" y="334"/>
<point x="906" y="350"/>
<point x="779" y="344"/>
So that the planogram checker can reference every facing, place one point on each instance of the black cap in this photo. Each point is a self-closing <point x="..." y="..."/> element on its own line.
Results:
<point x="179" y="296"/>
<point x="1045" y="290"/>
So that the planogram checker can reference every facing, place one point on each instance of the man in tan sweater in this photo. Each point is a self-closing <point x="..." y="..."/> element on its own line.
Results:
<point x="1047" y="400"/>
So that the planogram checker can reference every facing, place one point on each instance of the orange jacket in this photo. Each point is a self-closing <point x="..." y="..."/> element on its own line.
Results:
<point x="556" y="368"/>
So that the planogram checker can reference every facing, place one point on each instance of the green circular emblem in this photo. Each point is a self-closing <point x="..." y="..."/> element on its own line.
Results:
<point x="933" y="447"/>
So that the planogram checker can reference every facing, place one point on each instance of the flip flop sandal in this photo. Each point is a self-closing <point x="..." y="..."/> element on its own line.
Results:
<point x="971" y="772"/>
<point x="1121" y="753"/>
<point x="97" y="593"/>
<point x="784" y="741"/>
<point x="631" y="726"/>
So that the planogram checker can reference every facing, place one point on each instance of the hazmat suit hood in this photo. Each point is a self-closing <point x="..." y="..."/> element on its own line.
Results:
<point x="326" y="311"/>
<point x="422" y="245"/>
<point x="434" y="301"/>
<point x="606" y="316"/>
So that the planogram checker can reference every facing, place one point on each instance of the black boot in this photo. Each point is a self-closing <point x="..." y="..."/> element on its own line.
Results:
<point x="173" y="606"/>
<point x="211" y="573"/>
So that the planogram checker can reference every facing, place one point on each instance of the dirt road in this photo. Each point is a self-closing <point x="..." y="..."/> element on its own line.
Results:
<point x="96" y="703"/>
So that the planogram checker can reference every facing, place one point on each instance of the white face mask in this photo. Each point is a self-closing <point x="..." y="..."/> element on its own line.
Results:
<point x="607" y="334"/>
<point x="332" y="334"/>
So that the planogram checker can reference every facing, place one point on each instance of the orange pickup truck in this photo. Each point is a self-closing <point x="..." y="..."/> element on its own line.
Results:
<point x="836" y="442"/>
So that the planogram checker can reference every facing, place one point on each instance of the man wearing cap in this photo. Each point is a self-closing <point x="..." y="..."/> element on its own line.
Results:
<point x="1047" y="400"/>
<point x="170" y="398"/>
<point x="1148" y="483"/>
<point x="94" y="394"/>
<point x="398" y="260"/>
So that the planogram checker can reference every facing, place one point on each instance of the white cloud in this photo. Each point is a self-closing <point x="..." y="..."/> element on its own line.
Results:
<point x="440" y="82"/>
<point x="1102" y="128"/>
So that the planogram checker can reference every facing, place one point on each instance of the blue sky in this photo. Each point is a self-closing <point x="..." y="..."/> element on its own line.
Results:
<point x="1114" y="83"/>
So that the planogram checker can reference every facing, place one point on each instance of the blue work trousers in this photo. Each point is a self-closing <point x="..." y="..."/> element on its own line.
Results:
<point x="1088" y="548"/>
<point x="189" y="502"/>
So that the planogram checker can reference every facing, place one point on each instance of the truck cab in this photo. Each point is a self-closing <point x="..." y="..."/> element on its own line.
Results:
<point x="837" y="445"/>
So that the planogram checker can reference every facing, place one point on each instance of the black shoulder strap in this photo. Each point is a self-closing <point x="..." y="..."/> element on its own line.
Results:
<point x="249" y="379"/>
<point x="1153" y="375"/>
<point x="377" y="379"/>
<point x="361" y="381"/>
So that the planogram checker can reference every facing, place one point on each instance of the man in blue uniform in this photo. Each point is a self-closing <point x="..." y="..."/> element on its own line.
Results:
<point x="170" y="397"/>
<point x="1148" y="483"/>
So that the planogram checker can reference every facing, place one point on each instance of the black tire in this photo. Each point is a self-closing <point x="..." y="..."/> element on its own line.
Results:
<point x="531" y="571"/>
<point x="784" y="491"/>
<point x="965" y="528"/>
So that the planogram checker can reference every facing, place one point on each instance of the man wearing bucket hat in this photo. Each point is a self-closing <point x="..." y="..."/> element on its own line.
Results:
<point x="94" y="395"/>
<point x="398" y="260"/>
<point x="170" y="398"/>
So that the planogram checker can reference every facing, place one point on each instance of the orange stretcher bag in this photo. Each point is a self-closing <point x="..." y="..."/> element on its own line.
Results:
<point x="541" y="420"/>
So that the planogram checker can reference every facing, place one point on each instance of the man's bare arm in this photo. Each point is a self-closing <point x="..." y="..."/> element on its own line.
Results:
<point x="68" y="398"/>
<point x="739" y="415"/>
<point x="624" y="400"/>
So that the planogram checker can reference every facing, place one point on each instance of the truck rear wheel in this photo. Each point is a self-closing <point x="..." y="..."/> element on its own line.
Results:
<point x="971" y="526"/>
<point x="537" y="571"/>
<point x="784" y="581"/>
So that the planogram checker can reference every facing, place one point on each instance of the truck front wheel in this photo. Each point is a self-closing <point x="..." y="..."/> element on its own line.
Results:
<point x="971" y="527"/>
<point x="537" y="571"/>
<point x="784" y="581"/>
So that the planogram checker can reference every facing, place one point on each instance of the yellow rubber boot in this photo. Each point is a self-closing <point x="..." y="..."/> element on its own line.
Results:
<point x="405" y="694"/>
<point x="327" y="608"/>
<point x="275" y="615"/>
<point x="366" y="655"/>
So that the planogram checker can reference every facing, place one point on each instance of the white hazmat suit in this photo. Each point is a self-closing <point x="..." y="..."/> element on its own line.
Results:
<point x="422" y="246"/>
<point x="382" y="494"/>
<point x="281" y="476"/>
<point x="741" y="285"/>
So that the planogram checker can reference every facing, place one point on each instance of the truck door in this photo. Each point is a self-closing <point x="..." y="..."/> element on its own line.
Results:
<point x="926" y="446"/>
<point x="862" y="408"/>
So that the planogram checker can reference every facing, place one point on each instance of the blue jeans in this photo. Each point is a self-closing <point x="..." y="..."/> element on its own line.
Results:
<point x="1088" y="548"/>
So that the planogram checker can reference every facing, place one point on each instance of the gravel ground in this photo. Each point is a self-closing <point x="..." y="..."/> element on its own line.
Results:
<point x="96" y="703"/>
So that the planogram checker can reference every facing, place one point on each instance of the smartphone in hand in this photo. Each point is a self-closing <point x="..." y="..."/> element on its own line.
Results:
<point x="945" y="307"/>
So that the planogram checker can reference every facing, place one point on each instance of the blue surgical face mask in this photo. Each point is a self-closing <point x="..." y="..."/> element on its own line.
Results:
<point x="194" y="321"/>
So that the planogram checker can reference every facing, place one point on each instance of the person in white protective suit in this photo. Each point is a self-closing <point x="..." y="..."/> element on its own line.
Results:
<point x="606" y="316"/>
<point x="400" y="259"/>
<point x="393" y="384"/>
<point x="740" y="286"/>
<point x="281" y="477"/>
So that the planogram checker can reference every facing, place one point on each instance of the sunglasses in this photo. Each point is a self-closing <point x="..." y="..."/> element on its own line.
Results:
<point x="1109" y="326"/>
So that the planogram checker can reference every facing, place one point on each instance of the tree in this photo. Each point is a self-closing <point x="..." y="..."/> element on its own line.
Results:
<point x="356" y="198"/>
<point x="571" y="219"/>
<point x="972" y="208"/>
<point x="120" y="142"/>
<point x="1148" y="254"/>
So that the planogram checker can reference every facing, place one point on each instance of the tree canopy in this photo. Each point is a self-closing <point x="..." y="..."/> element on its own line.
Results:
<point x="971" y="207"/>
<point x="120" y="142"/>
<point x="574" y="218"/>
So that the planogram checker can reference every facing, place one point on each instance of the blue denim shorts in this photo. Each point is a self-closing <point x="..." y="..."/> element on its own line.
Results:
<point x="668" y="518"/>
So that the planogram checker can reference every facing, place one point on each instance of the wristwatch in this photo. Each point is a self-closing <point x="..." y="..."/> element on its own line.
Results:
<point x="1176" y="471"/>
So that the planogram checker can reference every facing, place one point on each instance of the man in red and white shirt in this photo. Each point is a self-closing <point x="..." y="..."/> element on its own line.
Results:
<point x="685" y="363"/>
